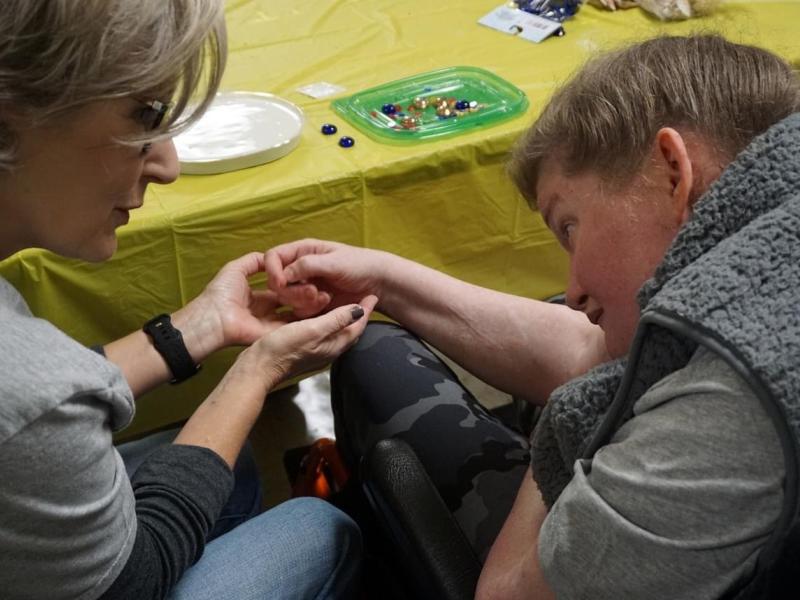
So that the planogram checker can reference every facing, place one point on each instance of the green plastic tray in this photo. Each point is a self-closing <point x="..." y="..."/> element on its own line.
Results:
<point x="497" y="100"/>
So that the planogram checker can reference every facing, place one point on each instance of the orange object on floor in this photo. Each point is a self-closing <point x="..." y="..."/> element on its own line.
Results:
<point x="322" y="471"/>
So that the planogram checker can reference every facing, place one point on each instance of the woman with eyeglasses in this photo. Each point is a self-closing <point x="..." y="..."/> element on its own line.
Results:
<point x="90" y="93"/>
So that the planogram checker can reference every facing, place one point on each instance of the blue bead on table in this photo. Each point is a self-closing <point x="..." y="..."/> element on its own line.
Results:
<point x="329" y="129"/>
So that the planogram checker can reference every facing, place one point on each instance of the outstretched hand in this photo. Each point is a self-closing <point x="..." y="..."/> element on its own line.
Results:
<point x="314" y="275"/>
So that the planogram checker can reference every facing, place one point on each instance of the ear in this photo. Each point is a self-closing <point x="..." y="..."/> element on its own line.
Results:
<point x="671" y="152"/>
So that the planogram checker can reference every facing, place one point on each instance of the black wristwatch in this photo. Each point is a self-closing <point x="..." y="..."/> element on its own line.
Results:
<point x="168" y="341"/>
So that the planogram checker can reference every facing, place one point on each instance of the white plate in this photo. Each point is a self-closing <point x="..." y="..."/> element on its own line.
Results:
<point x="239" y="130"/>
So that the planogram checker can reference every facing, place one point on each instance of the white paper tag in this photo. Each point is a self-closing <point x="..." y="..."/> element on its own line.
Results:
<point x="320" y="89"/>
<point x="514" y="21"/>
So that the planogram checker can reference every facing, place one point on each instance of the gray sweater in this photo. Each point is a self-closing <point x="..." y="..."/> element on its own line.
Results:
<point x="71" y="522"/>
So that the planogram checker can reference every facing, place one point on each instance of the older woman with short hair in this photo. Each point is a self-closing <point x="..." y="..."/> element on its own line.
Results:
<point x="90" y="93"/>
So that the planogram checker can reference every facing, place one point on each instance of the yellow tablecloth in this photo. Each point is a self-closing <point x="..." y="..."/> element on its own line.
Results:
<point x="447" y="204"/>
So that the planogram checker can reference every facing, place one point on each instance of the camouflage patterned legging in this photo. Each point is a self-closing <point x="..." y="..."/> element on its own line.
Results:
<point x="390" y="384"/>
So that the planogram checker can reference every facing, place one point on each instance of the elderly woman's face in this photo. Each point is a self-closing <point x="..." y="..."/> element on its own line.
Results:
<point x="75" y="184"/>
<point x="614" y="240"/>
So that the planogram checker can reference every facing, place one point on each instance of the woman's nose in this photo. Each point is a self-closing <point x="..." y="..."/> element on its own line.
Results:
<point x="162" y="164"/>
<point x="576" y="297"/>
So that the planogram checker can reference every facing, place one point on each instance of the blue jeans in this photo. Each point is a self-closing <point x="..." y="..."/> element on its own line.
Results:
<point x="303" y="548"/>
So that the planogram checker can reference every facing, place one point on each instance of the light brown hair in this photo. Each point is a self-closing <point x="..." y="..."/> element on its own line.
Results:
<point x="605" y="118"/>
<point x="57" y="55"/>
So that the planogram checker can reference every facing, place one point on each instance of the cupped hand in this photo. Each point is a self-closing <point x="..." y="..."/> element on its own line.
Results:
<point x="315" y="275"/>
<point x="310" y="344"/>
<point x="229" y="312"/>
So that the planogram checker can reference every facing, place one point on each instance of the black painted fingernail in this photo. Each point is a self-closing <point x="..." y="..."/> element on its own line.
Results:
<point x="356" y="313"/>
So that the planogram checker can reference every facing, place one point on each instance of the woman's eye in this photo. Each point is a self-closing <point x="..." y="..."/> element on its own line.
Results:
<point x="145" y="148"/>
<point x="147" y="116"/>
<point x="566" y="230"/>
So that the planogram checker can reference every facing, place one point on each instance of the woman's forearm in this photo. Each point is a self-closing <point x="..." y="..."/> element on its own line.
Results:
<point x="521" y="346"/>
<point x="224" y="420"/>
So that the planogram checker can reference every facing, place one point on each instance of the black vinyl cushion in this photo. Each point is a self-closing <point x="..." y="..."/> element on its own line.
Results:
<point x="433" y="552"/>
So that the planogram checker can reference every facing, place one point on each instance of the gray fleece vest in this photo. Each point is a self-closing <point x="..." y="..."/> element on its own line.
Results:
<point x="731" y="282"/>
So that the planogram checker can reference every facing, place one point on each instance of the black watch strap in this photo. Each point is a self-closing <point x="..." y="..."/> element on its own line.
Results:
<point x="168" y="341"/>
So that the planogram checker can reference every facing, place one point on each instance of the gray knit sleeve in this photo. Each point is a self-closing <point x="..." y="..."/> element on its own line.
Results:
<point x="180" y="491"/>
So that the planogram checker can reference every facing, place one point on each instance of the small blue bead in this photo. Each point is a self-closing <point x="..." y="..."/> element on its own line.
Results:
<point x="462" y="104"/>
<point x="388" y="109"/>
<point x="329" y="129"/>
<point x="346" y="141"/>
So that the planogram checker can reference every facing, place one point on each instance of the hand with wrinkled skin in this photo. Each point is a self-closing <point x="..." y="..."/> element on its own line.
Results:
<point x="310" y="344"/>
<point x="314" y="275"/>
<point x="229" y="312"/>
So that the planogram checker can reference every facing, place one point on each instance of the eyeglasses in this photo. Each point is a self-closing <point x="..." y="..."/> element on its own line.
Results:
<point x="153" y="113"/>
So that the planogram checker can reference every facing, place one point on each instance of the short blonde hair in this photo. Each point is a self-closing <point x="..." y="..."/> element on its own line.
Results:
<point x="605" y="118"/>
<point x="57" y="55"/>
